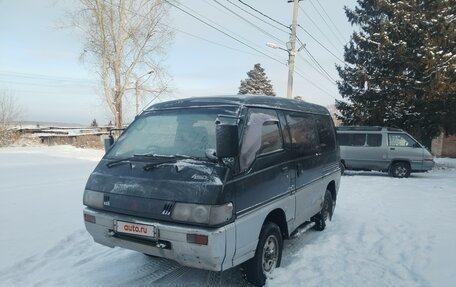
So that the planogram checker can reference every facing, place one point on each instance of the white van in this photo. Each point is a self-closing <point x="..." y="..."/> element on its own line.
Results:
<point x="380" y="148"/>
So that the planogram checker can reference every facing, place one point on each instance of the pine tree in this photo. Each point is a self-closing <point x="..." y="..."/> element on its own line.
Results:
<point x="257" y="83"/>
<point x="393" y="77"/>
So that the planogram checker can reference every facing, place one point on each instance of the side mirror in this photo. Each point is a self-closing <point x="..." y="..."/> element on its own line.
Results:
<point x="108" y="142"/>
<point x="227" y="138"/>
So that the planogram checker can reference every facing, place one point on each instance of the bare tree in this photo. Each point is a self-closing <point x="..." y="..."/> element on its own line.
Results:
<point x="9" y="112"/>
<point x="125" y="40"/>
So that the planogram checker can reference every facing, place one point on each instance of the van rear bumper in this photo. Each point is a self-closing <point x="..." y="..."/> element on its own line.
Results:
<point x="172" y="242"/>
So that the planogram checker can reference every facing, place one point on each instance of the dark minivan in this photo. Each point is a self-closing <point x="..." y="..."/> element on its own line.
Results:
<point x="215" y="182"/>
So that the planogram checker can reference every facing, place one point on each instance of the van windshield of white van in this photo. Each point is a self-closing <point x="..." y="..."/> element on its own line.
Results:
<point x="189" y="132"/>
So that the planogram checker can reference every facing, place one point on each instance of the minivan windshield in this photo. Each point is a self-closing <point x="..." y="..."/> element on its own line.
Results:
<point x="181" y="132"/>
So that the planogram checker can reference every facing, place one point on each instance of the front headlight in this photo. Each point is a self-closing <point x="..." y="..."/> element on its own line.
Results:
<point x="203" y="214"/>
<point x="93" y="198"/>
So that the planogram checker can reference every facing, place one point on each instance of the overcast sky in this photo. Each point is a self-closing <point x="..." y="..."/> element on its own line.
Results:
<point x="40" y="64"/>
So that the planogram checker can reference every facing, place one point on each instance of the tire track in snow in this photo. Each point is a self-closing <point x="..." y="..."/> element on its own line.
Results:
<point x="77" y="261"/>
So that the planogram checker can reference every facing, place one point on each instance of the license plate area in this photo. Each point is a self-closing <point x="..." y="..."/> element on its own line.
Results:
<point x="132" y="228"/>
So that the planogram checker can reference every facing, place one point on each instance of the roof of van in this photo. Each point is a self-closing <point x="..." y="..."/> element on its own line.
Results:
<point x="367" y="128"/>
<point x="239" y="100"/>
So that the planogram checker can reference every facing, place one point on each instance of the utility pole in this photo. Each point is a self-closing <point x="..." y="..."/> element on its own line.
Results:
<point x="292" y="48"/>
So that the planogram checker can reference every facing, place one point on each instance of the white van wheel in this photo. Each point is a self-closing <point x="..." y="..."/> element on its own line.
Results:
<point x="325" y="213"/>
<point x="400" y="170"/>
<point x="268" y="255"/>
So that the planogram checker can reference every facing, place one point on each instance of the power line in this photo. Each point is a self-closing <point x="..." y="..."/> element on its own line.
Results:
<point x="223" y="32"/>
<point x="249" y="22"/>
<point x="318" y="27"/>
<point x="49" y="85"/>
<point x="213" y="22"/>
<point x="313" y="84"/>
<point x="313" y="66"/>
<point x="332" y="31"/>
<point x="193" y="35"/>
<point x="264" y="15"/>
<point x="214" y="42"/>
<point x="237" y="40"/>
<point x="302" y="76"/>
<point x="319" y="65"/>
<point x="335" y="26"/>
<point x="323" y="46"/>
<point x="217" y="24"/>
<point x="43" y="77"/>
<point x="255" y="16"/>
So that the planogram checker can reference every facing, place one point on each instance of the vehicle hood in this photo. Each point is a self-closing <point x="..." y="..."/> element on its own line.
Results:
<point x="131" y="189"/>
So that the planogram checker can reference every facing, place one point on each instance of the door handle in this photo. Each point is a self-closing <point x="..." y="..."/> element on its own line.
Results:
<point x="392" y="148"/>
<point x="284" y="168"/>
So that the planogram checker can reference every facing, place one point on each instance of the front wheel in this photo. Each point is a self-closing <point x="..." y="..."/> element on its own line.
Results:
<point x="400" y="170"/>
<point x="268" y="255"/>
<point x="326" y="212"/>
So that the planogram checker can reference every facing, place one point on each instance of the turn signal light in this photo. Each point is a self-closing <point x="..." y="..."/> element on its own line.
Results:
<point x="197" y="239"/>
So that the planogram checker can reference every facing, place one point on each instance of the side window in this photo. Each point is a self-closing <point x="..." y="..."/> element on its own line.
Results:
<point x="270" y="137"/>
<point x="359" y="139"/>
<point x="346" y="139"/>
<point x="374" y="139"/>
<point x="326" y="133"/>
<point x="261" y="135"/>
<point x="400" y="140"/>
<point x="343" y="139"/>
<point x="304" y="137"/>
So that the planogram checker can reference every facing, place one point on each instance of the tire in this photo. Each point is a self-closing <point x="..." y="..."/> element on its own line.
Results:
<point x="400" y="170"/>
<point x="326" y="212"/>
<point x="268" y="255"/>
<point x="342" y="168"/>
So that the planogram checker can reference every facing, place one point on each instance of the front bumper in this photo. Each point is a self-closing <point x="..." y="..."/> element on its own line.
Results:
<point x="428" y="165"/>
<point x="172" y="241"/>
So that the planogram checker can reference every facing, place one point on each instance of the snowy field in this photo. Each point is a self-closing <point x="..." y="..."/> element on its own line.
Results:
<point x="385" y="232"/>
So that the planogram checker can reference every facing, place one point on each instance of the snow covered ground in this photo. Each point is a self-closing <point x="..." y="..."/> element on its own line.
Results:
<point x="385" y="232"/>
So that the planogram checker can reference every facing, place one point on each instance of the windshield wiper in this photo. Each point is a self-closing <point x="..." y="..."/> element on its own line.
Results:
<point x="128" y="159"/>
<point x="167" y="159"/>
<point x="119" y="161"/>
<point x="157" y="159"/>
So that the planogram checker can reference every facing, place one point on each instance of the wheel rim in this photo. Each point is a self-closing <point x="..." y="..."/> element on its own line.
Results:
<point x="270" y="253"/>
<point x="400" y="171"/>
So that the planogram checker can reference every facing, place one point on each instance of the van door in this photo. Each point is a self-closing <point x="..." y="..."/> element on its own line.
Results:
<point x="264" y="177"/>
<point x="401" y="146"/>
<point x="307" y="161"/>
<point x="264" y="163"/>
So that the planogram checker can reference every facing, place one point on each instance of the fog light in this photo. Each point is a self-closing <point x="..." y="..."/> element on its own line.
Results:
<point x="89" y="218"/>
<point x="197" y="239"/>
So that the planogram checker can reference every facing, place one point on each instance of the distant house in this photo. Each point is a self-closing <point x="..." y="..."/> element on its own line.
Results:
<point x="444" y="146"/>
